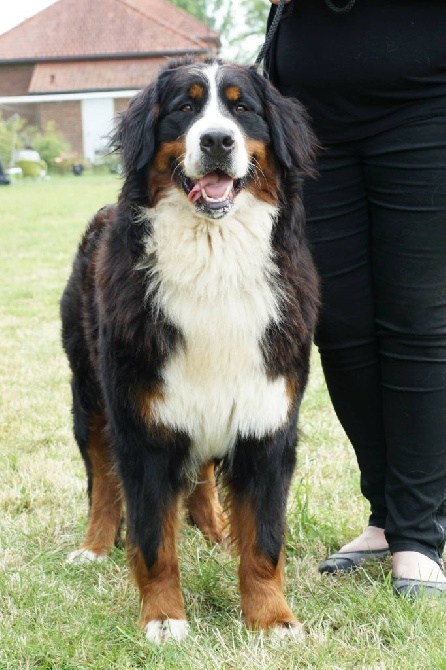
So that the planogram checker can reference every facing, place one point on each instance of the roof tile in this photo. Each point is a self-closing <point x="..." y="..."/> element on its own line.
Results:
<point x="107" y="75"/>
<point x="94" y="28"/>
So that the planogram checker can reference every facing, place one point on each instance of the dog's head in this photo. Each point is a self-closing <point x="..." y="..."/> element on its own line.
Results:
<point x="212" y="129"/>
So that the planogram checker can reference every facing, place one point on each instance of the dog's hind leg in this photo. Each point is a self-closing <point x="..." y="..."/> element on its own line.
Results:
<point x="258" y="478"/>
<point x="104" y="492"/>
<point x="204" y="506"/>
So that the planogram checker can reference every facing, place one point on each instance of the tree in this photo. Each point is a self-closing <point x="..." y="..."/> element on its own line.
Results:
<point x="241" y="25"/>
<point x="252" y="30"/>
<point x="197" y="8"/>
<point x="15" y="134"/>
<point x="10" y="138"/>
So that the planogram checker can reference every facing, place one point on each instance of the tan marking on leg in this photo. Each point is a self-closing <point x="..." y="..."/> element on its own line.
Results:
<point x="106" y="497"/>
<point x="159" y="586"/>
<point x="261" y="583"/>
<point x="204" y="507"/>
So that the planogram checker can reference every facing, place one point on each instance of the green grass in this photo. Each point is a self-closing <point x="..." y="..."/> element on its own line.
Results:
<point x="58" y="616"/>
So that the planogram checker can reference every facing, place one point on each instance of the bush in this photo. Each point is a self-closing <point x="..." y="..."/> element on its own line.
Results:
<point x="15" y="134"/>
<point x="10" y="140"/>
<point x="49" y="143"/>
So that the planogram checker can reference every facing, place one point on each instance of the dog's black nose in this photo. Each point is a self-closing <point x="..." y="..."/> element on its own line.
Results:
<point x="217" y="143"/>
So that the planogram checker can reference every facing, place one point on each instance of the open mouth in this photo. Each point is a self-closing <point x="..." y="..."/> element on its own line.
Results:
<point x="213" y="193"/>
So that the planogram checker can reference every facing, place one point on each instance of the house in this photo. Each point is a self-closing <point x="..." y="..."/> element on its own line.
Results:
<point x="78" y="62"/>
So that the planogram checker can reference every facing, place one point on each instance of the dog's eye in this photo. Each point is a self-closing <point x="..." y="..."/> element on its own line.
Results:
<point x="187" y="108"/>
<point x="239" y="108"/>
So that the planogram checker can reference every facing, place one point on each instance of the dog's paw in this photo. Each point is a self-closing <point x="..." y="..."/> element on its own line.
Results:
<point x="160" y="631"/>
<point x="84" y="556"/>
<point x="294" y="631"/>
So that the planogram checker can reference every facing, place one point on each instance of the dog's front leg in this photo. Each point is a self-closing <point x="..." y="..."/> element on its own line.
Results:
<point x="149" y="465"/>
<point x="156" y="572"/>
<point x="259" y="478"/>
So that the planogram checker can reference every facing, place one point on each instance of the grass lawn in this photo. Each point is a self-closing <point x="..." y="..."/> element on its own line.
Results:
<point x="58" y="616"/>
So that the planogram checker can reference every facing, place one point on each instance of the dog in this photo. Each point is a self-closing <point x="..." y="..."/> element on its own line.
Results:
<point x="188" y="321"/>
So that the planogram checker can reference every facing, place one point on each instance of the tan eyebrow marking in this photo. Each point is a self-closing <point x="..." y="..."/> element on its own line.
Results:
<point x="233" y="93"/>
<point x="196" y="91"/>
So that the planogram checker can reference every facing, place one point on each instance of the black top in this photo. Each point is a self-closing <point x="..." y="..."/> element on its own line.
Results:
<point x="371" y="69"/>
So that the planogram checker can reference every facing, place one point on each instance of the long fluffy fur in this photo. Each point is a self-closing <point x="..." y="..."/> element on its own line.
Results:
<point x="188" y="334"/>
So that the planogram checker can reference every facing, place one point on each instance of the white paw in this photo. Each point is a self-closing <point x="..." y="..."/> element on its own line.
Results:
<point x="295" y="631"/>
<point x="84" y="556"/>
<point x="160" y="631"/>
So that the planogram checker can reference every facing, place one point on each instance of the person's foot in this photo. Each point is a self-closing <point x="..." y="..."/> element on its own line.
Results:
<point x="415" y="575"/>
<point x="413" y="565"/>
<point x="371" y="539"/>
<point x="371" y="545"/>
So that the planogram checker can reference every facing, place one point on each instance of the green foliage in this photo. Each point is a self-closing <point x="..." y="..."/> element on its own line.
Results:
<point x="255" y="18"/>
<point x="250" y="31"/>
<point x="197" y="8"/>
<point x="10" y="131"/>
<point x="48" y="142"/>
<point x="241" y="25"/>
<point x="212" y="12"/>
<point x="15" y="134"/>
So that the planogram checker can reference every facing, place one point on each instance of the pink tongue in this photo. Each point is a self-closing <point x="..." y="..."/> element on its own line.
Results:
<point x="214" y="184"/>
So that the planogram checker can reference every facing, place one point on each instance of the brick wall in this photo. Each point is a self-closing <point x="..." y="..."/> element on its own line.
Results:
<point x="30" y="113"/>
<point x="15" y="79"/>
<point x="68" y="120"/>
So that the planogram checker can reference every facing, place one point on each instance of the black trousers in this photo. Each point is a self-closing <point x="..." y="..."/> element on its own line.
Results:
<point x="377" y="226"/>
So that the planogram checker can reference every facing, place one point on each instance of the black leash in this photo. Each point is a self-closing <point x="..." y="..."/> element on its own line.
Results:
<point x="270" y="34"/>
<point x="343" y="9"/>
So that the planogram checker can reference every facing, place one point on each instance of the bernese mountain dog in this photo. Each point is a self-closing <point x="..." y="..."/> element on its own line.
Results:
<point x="188" y="321"/>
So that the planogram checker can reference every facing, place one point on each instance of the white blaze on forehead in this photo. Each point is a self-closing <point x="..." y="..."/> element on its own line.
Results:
<point x="214" y="118"/>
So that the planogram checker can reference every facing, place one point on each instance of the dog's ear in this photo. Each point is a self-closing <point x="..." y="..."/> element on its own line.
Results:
<point x="135" y="134"/>
<point x="293" y="141"/>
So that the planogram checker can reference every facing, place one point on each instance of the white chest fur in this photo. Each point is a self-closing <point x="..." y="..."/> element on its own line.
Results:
<point x="217" y="282"/>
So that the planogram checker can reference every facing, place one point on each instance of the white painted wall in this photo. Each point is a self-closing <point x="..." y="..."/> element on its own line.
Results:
<point x="97" y="123"/>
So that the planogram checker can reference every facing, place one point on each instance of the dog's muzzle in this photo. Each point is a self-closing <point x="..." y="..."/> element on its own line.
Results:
<point x="213" y="193"/>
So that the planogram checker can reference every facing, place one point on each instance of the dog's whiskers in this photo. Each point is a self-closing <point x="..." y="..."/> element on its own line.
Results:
<point x="256" y="167"/>
<point x="255" y="171"/>
<point x="179" y="162"/>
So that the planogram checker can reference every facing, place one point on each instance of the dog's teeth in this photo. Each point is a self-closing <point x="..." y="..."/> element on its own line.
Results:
<point x="210" y="199"/>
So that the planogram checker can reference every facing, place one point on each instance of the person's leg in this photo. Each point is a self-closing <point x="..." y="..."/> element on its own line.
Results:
<point x="339" y="234"/>
<point x="405" y="172"/>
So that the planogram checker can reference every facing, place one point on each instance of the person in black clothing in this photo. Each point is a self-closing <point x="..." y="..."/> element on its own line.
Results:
<point x="372" y="74"/>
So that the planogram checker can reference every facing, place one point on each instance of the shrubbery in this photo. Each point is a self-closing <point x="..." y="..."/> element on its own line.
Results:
<point x="49" y="143"/>
<point x="15" y="134"/>
<point x="9" y="137"/>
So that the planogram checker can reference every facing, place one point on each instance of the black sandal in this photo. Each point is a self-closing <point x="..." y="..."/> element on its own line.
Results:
<point x="414" y="588"/>
<point x="347" y="561"/>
